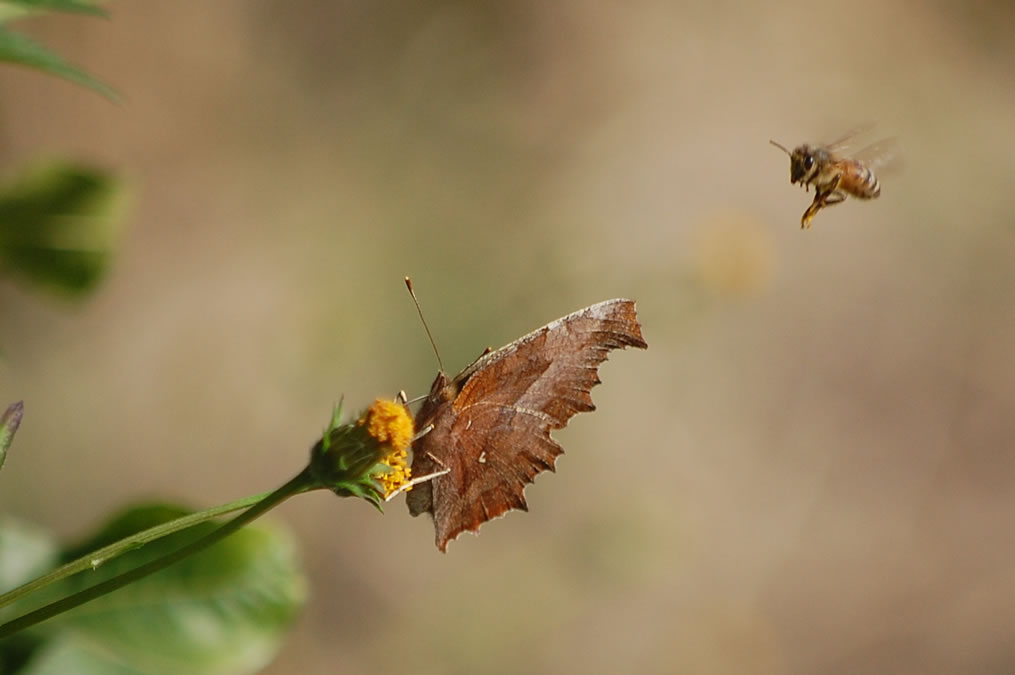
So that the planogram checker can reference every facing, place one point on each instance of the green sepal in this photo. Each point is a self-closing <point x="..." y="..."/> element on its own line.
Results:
<point x="344" y="458"/>
<point x="367" y="489"/>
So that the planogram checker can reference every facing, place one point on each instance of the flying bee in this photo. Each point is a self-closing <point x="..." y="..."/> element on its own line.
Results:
<point x="835" y="175"/>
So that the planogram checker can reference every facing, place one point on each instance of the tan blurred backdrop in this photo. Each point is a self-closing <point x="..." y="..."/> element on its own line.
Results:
<point x="810" y="470"/>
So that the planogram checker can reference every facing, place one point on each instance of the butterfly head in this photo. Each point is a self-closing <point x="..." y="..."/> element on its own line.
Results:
<point x="441" y="391"/>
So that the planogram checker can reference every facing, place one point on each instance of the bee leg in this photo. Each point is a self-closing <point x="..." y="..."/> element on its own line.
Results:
<point x="827" y="196"/>
<point x="835" y="198"/>
<point x="812" y="210"/>
<point x="820" y="198"/>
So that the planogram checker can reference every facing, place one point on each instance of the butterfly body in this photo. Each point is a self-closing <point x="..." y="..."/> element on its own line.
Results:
<point x="489" y="426"/>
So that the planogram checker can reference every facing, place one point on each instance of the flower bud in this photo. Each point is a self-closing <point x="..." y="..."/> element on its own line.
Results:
<point x="366" y="458"/>
<point x="9" y="423"/>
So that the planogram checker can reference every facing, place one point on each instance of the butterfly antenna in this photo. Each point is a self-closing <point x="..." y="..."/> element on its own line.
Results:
<point x="781" y="147"/>
<point x="408" y="284"/>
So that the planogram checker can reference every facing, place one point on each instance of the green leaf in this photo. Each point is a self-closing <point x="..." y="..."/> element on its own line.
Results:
<point x="64" y="655"/>
<point x="12" y="9"/>
<point x="9" y="423"/>
<point x="59" y="224"/>
<point x="25" y="552"/>
<point x="224" y="610"/>
<point x="22" y="50"/>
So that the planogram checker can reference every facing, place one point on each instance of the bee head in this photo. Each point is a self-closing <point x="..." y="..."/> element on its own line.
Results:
<point x="803" y="165"/>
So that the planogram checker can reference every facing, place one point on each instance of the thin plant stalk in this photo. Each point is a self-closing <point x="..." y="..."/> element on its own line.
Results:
<point x="301" y="483"/>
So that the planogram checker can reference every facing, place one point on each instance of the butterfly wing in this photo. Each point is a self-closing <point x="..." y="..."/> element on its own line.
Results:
<point x="494" y="434"/>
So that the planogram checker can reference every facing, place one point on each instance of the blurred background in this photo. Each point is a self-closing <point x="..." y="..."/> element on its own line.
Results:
<point x="810" y="470"/>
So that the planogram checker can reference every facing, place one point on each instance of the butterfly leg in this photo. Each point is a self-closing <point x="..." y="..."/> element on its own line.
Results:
<point x="416" y="481"/>
<point x="424" y="478"/>
<point x="422" y="432"/>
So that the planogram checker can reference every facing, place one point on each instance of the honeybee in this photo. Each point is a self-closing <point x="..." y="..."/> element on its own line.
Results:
<point x="834" y="175"/>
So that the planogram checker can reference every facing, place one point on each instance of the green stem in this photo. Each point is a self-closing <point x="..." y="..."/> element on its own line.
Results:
<point x="96" y="558"/>
<point x="261" y="505"/>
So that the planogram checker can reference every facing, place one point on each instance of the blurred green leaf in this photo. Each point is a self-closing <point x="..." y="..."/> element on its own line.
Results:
<point x="22" y="50"/>
<point x="63" y="654"/>
<point x="9" y="423"/>
<point x="224" y="610"/>
<point x="25" y="552"/>
<point x="12" y="9"/>
<point x="59" y="224"/>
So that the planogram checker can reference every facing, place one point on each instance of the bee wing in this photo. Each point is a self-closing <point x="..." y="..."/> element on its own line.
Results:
<point x="843" y="143"/>
<point x="885" y="154"/>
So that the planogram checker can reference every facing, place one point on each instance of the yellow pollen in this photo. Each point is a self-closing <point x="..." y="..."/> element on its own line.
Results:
<point x="398" y="473"/>
<point x="389" y="424"/>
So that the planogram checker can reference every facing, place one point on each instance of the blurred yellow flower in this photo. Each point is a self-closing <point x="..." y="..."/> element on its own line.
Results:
<point x="735" y="255"/>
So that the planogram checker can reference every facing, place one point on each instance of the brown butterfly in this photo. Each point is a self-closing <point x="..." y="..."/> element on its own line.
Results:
<point x="489" y="427"/>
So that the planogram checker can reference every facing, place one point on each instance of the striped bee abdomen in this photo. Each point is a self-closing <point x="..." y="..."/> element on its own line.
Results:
<point x="859" y="181"/>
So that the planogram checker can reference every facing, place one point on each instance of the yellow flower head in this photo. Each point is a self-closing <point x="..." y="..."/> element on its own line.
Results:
<point x="367" y="458"/>
<point x="389" y="424"/>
